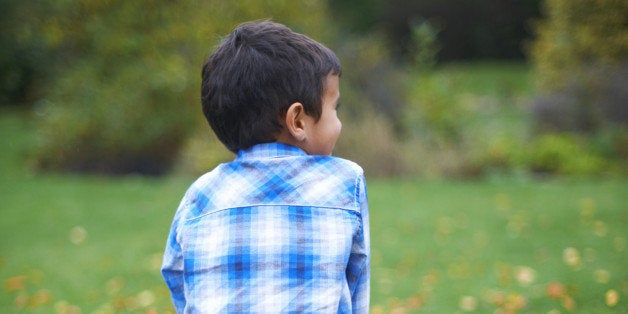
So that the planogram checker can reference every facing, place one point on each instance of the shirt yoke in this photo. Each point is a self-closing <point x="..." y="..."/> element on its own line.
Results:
<point x="316" y="181"/>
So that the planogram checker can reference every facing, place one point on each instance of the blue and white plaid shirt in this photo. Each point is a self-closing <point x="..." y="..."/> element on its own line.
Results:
<point x="273" y="231"/>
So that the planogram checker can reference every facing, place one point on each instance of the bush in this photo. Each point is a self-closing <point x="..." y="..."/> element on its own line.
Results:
<point x="588" y="105"/>
<point x="581" y="59"/>
<point x="121" y="102"/>
<point x="202" y="152"/>
<point x="125" y="96"/>
<point x="576" y="36"/>
<point x="372" y="143"/>
<point x="466" y="120"/>
<point x="563" y="154"/>
<point x="134" y="122"/>
<point x="25" y="55"/>
<point x="370" y="80"/>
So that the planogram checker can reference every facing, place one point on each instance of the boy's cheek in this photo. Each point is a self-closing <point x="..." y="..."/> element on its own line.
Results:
<point x="339" y="128"/>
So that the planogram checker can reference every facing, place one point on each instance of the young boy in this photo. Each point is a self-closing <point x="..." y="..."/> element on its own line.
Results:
<point x="284" y="227"/>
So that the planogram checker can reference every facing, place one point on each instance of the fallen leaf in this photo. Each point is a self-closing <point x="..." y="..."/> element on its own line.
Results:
<point x="468" y="303"/>
<point x="571" y="257"/>
<point x="612" y="297"/>
<point x="555" y="290"/>
<point x="15" y="283"/>
<point x="602" y="276"/>
<point x="525" y="275"/>
<point x="78" y="235"/>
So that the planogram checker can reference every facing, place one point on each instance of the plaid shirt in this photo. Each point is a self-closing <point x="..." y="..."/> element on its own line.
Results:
<point x="275" y="230"/>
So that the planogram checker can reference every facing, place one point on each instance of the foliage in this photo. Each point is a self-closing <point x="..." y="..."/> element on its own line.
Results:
<point x="562" y="154"/>
<point x="115" y="91"/>
<point x="371" y="81"/>
<point x="577" y="36"/>
<point x="373" y="144"/>
<point x="125" y="95"/>
<point x="121" y="104"/>
<point x="467" y="119"/>
<point x="425" y="39"/>
<point x="201" y="153"/>
<point x="581" y="60"/>
<point x="580" y="56"/>
<point x="440" y="112"/>
<point x="589" y="103"/>
<point x="373" y="96"/>
<point x="25" y="55"/>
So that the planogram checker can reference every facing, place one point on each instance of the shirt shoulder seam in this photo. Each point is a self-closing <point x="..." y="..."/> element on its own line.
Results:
<point x="344" y="208"/>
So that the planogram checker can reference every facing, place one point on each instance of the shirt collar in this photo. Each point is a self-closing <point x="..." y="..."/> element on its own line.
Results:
<point x="270" y="150"/>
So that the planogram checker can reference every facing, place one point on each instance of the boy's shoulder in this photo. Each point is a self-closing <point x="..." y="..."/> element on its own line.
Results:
<point x="318" y="181"/>
<point x="338" y="164"/>
<point x="289" y="166"/>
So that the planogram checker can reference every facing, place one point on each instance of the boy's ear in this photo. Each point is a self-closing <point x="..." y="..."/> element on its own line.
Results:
<point x="295" y="123"/>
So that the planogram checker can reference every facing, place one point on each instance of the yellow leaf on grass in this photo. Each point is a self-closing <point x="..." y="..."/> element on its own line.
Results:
<point x="612" y="297"/>
<point x="15" y="283"/>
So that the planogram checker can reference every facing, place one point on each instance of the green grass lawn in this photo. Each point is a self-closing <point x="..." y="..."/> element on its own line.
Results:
<point x="92" y="244"/>
<point x="500" y="244"/>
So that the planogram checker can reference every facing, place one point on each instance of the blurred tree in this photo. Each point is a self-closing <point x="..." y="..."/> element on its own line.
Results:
<point x="24" y="52"/>
<point x="124" y="97"/>
<point x="425" y="43"/>
<point x="579" y="33"/>
<point x="121" y="99"/>
<point x="581" y="60"/>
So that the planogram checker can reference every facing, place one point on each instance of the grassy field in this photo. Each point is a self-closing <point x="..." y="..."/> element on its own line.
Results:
<point x="444" y="247"/>
<point x="91" y="244"/>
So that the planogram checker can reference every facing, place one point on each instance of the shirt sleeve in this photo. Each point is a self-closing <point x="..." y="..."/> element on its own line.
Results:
<point x="172" y="267"/>
<point x="361" y="256"/>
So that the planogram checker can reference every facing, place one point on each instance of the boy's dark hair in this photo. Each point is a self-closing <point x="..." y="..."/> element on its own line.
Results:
<point x="253" y="77"/>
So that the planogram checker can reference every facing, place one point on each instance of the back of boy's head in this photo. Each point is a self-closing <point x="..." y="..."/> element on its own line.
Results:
<point x="255" y="74"/>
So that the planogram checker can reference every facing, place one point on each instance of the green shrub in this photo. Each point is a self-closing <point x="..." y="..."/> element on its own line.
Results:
<point x="134" y="122"/>
<point x="27" y="54"/>
<point x="581" y="60"/>
<point x="612" y="145"/>
<point x="433" y="108"/>
<point x="466" y="120"/>
<point x="576" y="34"/>
<point x="587" y="104"/>
<point x="372" y="143"/>
<point x="202" y="152"/>
<point x="125" y="96"/>
<point x="370" y="80"/>
<point x="563" y="154"/>
<point x="499" y="154"/>
<point x="121" y="103"/>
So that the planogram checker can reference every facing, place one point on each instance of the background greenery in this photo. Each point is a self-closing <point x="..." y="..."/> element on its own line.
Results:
<point x="525" y="101"/>
<point x="113" y="87"/>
